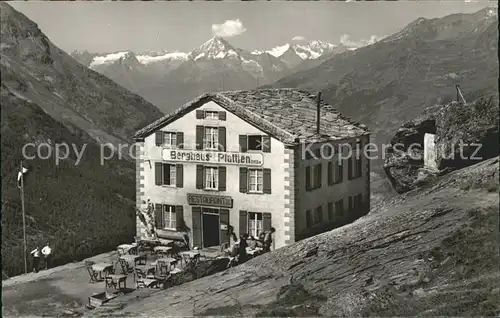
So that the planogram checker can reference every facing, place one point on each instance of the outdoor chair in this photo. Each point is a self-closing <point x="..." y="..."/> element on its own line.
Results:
<point x="142" y="259"/>
<point x="146" y="283"/>
<point x="140" y="273"/>
<point x="126" y="268"/>
<point x="110" y="283"/>
<point x="92" y="273"/>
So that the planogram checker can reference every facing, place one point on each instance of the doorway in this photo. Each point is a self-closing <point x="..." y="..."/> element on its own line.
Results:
<point x="211" y="226"/>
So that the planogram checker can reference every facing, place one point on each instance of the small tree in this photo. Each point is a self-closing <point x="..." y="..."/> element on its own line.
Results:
<point x="147" y="218"/>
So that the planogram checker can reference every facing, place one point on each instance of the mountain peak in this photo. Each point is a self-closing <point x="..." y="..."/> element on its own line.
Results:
<point x="215" y="48"/>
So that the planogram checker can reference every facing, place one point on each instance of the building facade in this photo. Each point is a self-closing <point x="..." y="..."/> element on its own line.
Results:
<point x="247" y="160"/>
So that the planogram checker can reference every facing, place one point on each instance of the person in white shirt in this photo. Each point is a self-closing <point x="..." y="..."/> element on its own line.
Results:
<point x="47" y="251"/>
<point x="36" y="259"/>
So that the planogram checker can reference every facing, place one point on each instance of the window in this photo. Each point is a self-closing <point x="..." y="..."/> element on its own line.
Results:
<point x="211" y="178"/>
<point x="355" y="163"/>
<point x="254" y="142"/>
<point x="338" y="172"/>
<point x="308" y="218"/>
<point x="255" y="225"/>
<point x="169" y="139"/>
<point x="318" y="215"/>
<point x="330" y="211"/>
<point x="255" y="181"/>
<point x="211" y="138"/>
<point x="211" y="115"/>
<point x="169" y="220"/>
<point x="313" y="179"/>
<point x="339" y="207"/>
<point x="169" y="174"/>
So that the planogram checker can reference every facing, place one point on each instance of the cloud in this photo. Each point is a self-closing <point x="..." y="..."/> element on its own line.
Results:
<point x="345" y="40"/>
<point x="298" y="38"/>
<point x="228" y="28"/>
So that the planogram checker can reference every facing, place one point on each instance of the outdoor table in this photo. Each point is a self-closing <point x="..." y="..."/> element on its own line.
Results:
<point x="253" y="252"/>
<point x="127" y="248"/>
<point x="168" y="260"/>
<point x="119" y="279"/>
<point x="162" y="250"/>
<point x="165" y="242"/>
<point x="189" y="255"/>
<point x="102" y="267"/>
<point x="147" y="268"/>
<point x="131" y="259"/>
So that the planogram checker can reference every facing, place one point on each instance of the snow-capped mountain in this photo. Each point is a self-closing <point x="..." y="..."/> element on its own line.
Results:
<point x="213" y="66"/>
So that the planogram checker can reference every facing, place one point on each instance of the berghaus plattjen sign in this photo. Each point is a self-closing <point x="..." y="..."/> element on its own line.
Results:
<point x="213" y="157"/>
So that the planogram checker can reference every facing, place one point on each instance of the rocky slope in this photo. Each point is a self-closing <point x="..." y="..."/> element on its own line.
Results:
<point x="390" y="82"/>
<point x="432" y="251"/>
<point x="47" y="98"/>
<point x="169" y="79"/>
<point x="37" y="70"/>
<point x="465" y="133"/>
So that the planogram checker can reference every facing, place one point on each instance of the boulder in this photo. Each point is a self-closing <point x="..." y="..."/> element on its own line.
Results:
<point x="465" y="134"/>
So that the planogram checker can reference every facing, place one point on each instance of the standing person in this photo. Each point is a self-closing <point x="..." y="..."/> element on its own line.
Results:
<point x="47" y="253"/>
<point x="36" y="259"/>
<point x="242" y="249"/>
<point x="268" y="240"/>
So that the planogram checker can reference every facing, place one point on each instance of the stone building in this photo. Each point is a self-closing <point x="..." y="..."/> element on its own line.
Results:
<point x="251" y="160"/>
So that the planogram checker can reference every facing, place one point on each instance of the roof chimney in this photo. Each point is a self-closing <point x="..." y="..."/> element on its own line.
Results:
<point x="318" y="112"/>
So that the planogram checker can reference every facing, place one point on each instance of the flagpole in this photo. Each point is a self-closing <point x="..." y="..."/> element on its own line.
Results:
<point x="24" y="220"/>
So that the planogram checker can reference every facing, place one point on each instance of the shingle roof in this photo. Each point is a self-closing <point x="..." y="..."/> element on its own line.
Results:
<point x="287" y="114"/>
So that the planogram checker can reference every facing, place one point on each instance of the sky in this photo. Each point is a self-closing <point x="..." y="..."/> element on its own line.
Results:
<point x="182" y="26"/>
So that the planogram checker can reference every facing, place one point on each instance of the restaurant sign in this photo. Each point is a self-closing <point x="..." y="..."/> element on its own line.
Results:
<point x="210" y="200"/>
<point x="213" y="157"/>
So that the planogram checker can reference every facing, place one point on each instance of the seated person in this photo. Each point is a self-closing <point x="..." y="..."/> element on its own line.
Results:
<point x="252" y="243"/>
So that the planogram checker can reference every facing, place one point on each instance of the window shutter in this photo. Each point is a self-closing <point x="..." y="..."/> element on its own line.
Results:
<point x="166" y="173"/>
<point x="222" y="139"/>
<point x="224" y="220"/>
<point x="320" y="214"/>
<point x="266" y="221"/>
<point x="196" y="214"/>
<point x="180" y="140"/>
<point x="159" y="216"/>
<point x="359" y="164"/>
<point x="179" y="218"/>
<point x="330" y="211"/>
<point x="179" y="174"/>
<point x="330" y="173"/>
<point x="266" y="144"/>
<point x="222" y="178"/>
<point x="222" y="115"/>
<point x="308" y="178"/>
<point x="340" y="172"/>
<point x="158" y="173"/>
<point x="266" y="178"/>
<point x="243" y="143"/>
<point x="199" y="137"/>
<point x="318" y="177"/>
<point x="308" y="218"/>
<point x="243" y="180"/>
<point x="199" y="177"/>
<point x="200" y="114"/>
<point x="159" y="138"/>
<point x="349" y="168"/>
<point x="243" y="222"/>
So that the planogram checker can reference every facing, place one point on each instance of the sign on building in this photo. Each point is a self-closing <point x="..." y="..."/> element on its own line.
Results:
<point x="213" y="157"/>
<point x="210" y="200"/>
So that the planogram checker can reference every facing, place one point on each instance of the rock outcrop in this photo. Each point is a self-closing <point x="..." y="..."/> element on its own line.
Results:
<point x="432" y="251"/>
<point x="465" y="133"/>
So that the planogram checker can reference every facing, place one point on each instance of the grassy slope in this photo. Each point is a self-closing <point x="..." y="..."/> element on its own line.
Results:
<point x="82" y="210"/>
